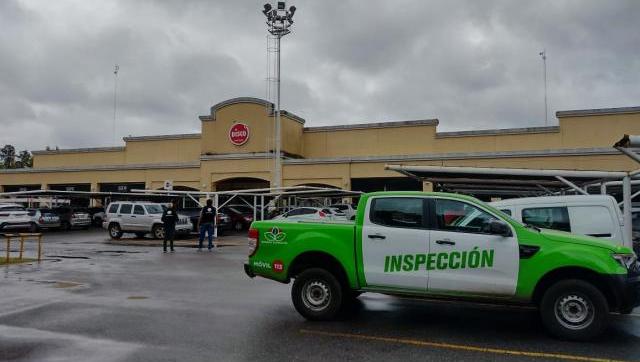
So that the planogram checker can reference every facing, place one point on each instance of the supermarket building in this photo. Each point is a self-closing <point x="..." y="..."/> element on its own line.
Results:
<point x="234" y="150"/>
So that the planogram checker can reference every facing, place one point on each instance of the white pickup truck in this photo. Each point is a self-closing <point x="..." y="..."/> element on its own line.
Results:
<point x="593" y="215"/>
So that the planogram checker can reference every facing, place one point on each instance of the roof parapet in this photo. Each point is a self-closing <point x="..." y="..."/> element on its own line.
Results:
<point x="348" y="127"/>
<point x="78" y="150"/>
<point x="268" y="105"/>
<point x="163" y="137"/>
<point x="597" y="112"/>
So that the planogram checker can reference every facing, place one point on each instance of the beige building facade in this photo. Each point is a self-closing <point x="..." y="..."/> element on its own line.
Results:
<point x="234" y="150"/>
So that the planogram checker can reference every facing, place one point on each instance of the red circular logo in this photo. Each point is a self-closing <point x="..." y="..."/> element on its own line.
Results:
<point x="239" y="134"/>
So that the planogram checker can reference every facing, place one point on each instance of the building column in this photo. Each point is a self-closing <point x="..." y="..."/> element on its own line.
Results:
<point x="44" y="186"/>
<point x="94" y="188"/>
<point x="427" y="186"/>
<point x="1" y="188"/>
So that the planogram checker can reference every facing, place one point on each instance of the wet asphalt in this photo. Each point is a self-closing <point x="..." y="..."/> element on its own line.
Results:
<point x="92" y="301"/>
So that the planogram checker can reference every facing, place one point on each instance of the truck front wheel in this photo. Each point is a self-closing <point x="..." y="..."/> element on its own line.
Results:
<point x="574" y="309"/>
<point x="317" y="294"/>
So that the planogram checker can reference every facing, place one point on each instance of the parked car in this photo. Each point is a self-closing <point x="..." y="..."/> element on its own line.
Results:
<point x="310" y="213"/>
<point x="593" y="215"/>
<point x="223" y="221"/>
<point x="72" y="217"/>
<point x="14" y="216"/>
<point x="140" y="218"/>
<point x="347" y="209"/>
<point x="43" y="219"/>
<point x="241" y="216"/>
<point x="97" y="215"/>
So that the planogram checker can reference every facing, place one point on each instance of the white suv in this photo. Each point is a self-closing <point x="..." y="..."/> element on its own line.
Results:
<point x="139" y="218"/>
<point x="14" y="216"/>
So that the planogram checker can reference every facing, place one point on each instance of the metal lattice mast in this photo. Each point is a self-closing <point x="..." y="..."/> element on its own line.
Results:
<point x="278" y="21"/>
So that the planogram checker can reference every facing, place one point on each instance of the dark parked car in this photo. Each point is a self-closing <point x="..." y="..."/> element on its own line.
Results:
<point x="97" y="215"/>
<point x="222" y="219"/>
<point x="241" y="216"/>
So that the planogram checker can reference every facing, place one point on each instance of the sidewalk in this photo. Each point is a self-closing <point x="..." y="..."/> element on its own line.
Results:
<point x="228" y="240"/>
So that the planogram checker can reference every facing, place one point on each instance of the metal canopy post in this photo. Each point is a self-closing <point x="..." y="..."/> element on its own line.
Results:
<point x="215" y="203"/>
<point x="626" y="211"/>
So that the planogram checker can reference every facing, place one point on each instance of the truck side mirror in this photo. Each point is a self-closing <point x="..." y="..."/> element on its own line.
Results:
<point x="498" y="227"/>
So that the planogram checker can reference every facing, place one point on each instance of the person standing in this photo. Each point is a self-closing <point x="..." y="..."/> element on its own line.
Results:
<point x="206" y="223"/>
<point x="169" y="218"/>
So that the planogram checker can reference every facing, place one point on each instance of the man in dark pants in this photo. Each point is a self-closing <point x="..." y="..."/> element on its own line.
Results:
<point x="169" y="218"/>
<point x="207" y="223"/>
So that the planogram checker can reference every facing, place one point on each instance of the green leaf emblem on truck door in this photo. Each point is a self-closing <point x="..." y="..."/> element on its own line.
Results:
<point x="275" y="235"/>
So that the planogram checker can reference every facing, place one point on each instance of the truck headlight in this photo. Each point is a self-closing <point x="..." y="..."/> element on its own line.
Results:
<point x="626" y="260"/>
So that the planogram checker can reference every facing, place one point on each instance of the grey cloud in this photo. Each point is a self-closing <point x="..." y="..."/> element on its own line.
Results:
<point x="472" y="64"/>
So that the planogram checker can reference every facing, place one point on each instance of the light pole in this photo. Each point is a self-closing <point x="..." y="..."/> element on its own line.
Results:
<point x="278" y="21"/>
<point x="116" y="69"/>
<point x="543" y="54"/>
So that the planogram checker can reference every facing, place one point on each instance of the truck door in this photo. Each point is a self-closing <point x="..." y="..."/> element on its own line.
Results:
<point x="393" y="235"/>
<point x="464" y="256"/>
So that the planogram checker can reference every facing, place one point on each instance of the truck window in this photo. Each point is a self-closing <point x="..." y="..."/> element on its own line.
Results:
<point x="138" y="210"/>
<point x="592" y="220"/>
<point x="113" y="208"/>
<point x="126" y="208"/>
<point x="556" y="218"/>
<point x="506" y="211"/>
<point x="401" y="212"/>
<point x="458" y="216"/>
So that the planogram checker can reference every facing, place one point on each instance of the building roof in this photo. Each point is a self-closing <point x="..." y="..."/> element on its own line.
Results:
<point x="78" y="150"/>
<point x="347" y="127"/>
<point x="162" y="137"/>
<point x="499" y="132"/>
<point x="597" y="112"/>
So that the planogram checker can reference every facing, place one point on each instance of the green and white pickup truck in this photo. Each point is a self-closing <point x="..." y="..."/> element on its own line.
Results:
<point x="447" y="246"/>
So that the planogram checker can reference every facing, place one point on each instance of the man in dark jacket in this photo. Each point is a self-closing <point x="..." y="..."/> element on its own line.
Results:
<point x="169" y="218"/>
<point x="207" y="223"/>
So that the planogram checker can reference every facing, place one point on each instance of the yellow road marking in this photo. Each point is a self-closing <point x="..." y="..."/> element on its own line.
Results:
<point x="459" y="347"/>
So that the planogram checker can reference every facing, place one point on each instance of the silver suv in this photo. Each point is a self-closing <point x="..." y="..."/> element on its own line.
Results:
<point x="139" y="218"/>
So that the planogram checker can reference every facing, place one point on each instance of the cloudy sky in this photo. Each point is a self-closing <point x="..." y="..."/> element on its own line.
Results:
<point x="471" y="64"/>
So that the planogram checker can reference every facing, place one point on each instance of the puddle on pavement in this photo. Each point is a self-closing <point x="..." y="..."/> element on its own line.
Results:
<point x="63" y="285"/>
<point x="120" y="252"/>
<point x="68" y="257"/>
<point x="137" y="297"/>
<point x="59" y="284"/>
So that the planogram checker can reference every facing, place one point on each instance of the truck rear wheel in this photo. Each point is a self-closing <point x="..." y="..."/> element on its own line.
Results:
<point x="317" y="294"/>
<point x="574" y="309"/>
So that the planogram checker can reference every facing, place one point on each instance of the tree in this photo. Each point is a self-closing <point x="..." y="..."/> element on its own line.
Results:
<point x="8" y="156"/>
<point x="24" y="159"/>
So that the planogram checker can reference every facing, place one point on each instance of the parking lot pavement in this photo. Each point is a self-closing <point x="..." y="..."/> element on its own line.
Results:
<point x="92" y="301"/>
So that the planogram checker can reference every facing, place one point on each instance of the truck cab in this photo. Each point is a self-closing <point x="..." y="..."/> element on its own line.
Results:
<point x="593" y="215"/>
<point x="447" y="246"/>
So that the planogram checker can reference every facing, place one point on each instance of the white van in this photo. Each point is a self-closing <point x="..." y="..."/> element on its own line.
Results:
<point x="594" y="215"/>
